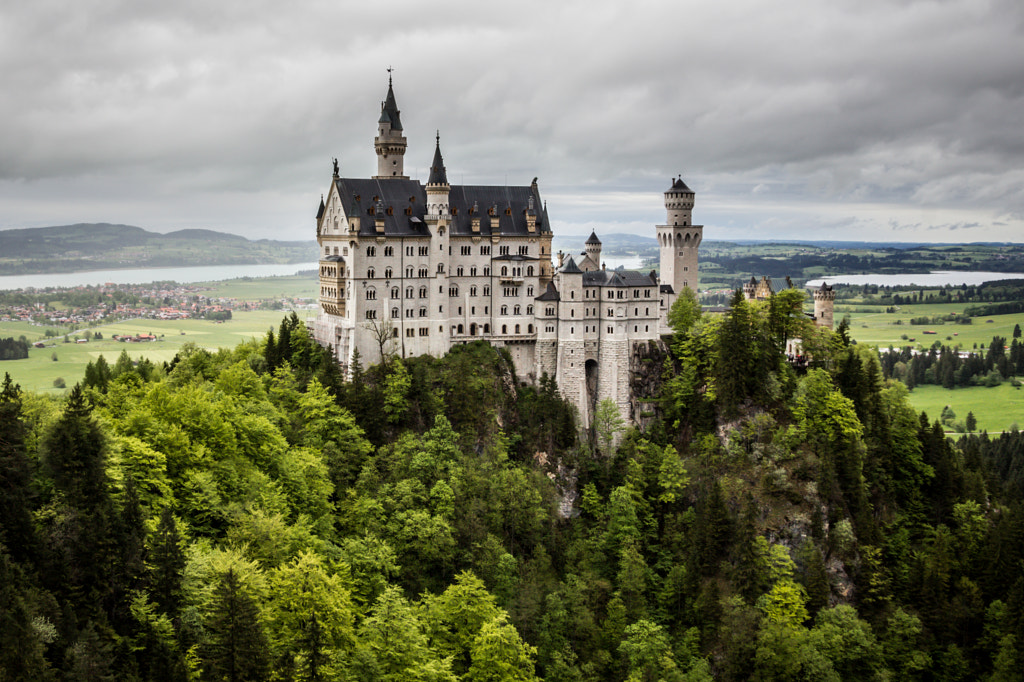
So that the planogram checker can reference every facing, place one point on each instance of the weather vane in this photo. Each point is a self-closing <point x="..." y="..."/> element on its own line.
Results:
<point x="389" y="74"/>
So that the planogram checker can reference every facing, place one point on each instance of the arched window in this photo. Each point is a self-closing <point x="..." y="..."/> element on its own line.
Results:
<point x="517" y="310"/>
<point x="371" y="251"/>
<point x="388" y="272"/>
<point x="504" y="329"/>
<point x="529" y="329"/>
<point x="408" y="292"/>
<point x="458" y="271"/>
<point x="529" y="271"/>
<point x="371" y="294"/>
<point x="487" y="329"/>
<point x="408" y="271"/>
<point x="529" y="310"/>
<point x="472" y="329"/>
<point x="370" y="273"/>
<point x="504" y="310"/>
<point x="395" y="293"/>
<point x="394" y="312"/>
<point x="472" y="291"/>
<point x="460" y="329"/>
<point x="517" y="329"/>
<point x="423" y="292"/>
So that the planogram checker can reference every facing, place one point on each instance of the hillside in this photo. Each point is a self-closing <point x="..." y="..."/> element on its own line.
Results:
<point x="101" y="246"/>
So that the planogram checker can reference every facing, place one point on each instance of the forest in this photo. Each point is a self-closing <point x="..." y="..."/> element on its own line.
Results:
<point x="247" y="514"/>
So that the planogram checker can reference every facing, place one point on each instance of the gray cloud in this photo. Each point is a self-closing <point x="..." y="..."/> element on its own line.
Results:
<point x="790" y="120"/>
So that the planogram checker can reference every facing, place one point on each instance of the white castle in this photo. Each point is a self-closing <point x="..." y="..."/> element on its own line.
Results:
<point x="412" y="269"/>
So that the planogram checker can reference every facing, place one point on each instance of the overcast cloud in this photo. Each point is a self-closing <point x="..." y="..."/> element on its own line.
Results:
<point x="802" y="119"/>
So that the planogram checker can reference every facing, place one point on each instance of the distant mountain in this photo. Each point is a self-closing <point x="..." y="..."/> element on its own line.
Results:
<point x="101" y="246"/>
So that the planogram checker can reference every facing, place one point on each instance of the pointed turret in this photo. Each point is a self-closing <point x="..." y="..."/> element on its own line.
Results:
<point x="320" y="211"/>
<point x="389" y="143"/>
<point x="438" y="175"/>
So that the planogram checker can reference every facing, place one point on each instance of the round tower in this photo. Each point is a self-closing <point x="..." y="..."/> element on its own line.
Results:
<point x="390" y="143"/>
<point x="678" y="239"/>
<point x="824" y="300"/>
<point x="750" y="289"/>
<point x="593" y="250"/>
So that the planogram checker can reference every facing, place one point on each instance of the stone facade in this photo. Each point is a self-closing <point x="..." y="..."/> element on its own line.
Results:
<point x="412" y="269"/>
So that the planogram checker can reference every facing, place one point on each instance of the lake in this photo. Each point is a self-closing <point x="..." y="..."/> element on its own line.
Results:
<point x="943" y="278"/>
<point x="183" y="275"/>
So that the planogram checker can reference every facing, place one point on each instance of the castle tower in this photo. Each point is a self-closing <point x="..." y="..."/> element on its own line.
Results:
<point x="437" y="184"/>
<point x="678" y="239"/>
<point x="750" y="289"/>
<point x="389" y="143"/>
<point x="593" y="251"/>
<point x="824" y="300"/>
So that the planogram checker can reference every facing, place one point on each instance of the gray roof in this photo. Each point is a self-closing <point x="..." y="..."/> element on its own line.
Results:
<point x="592" y="239"/>
<point x="550" y="294"/>
<point x="407" y="201"/>
<point x="335" y="258"/>
<point x="679" y="186"/>
<point x="320" y="211"/>
<point x="618" y="278"/>
<point x="570" y="267"/>
<point x="438" y="175"/>
<point x="390" y="109"/>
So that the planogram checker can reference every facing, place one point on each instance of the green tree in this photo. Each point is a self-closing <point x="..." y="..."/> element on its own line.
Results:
<point x="396" y="391"/>
<point x="971" y="422"/>
<point x="236" y="649"/>
<point x="608" y="424"/>
<point x="500" y="655"/>
<point x="168" y="563"/>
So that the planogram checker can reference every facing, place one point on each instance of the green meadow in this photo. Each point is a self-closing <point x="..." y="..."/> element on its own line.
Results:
<point x="999" y="408"/>
<point x="873" y="326"/>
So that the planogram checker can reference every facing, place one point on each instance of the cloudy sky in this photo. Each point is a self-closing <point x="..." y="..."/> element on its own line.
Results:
<point x="798" y="119"/>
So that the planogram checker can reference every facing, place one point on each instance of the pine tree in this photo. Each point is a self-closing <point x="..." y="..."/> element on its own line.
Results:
<point x="168" y="560"/>
<point x="236" y="650"/>
<point x="16" y="528"/>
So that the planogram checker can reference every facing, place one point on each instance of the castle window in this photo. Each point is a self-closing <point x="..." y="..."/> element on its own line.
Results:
<point x="389" y="251"/>
<point x="394" y="312"/>
<point x="485" y="250"/>
<point x="440" y="268"/>
<point x="409" y="250"/>
<point x="572" y="313"/>
<point x="549" y="311"/>
<point x="517" y="310"/>
<point x="517" y="329"/>
<point x="487" y="290"/>
<point x="371" y="294"/>
<point x="409" y="332"/>
<point x="636" y="328"/>
<point x="466" y="250"/>
<point x="487" y="271"/>
<point x="371" y="251"/>
<point x="423" y="311"/>
<point x="609" y="330"/>
<point x="408" y="313"/>
<point x="529" y="329"/>
<point x="611" y="313"/>
<point x="408" y="292"/>
<point x="371" y="314"/>
<point x="504" y="271"/>
<point x="458" y="271"/>
<point x="327" y="251"/>
<point x="524" y="250"/>
<point x="504" y="329"/>
<point x="453" y="291"/>
<point x="529" y="271"/>
<point x="395" y="293"/>
<point x="424" y="250"/>
<point x="472" y="271"/>
<point x="647" y="328"/>
<point x="529" y="310"/>
<point x="472" y="291"/>
<point x="422" y="272"/>
<point x="344" y="251"/>
<point x="394" y="332"/>
<point x="424" y="331"/>
<point x="611" y="294"/>
<point x="529" y="291"/>
<point x="388" y="272"/>
<point x="572" y="294"/>
<point x="487" y="329"/>
<point x="502" y="250"/>
<point x="460" y="329"/>
<point x="647" y="312"/>
<point x="647" y="293"/>
<point x="572" y="330"/>
<point x="636" y="312"/>
<point x="504" y="310"/>
<point x="408" y="271"/>
<point x="472" y="329"/>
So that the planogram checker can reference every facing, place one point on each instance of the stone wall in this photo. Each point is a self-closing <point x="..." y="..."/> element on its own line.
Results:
<point x="646" y="364"/>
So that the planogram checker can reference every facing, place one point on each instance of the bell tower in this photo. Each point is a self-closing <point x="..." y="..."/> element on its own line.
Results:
<point x="390" y="143"/>
<point x="678" y="239"/>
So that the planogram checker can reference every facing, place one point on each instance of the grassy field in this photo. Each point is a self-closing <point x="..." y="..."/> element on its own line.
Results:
<point x="878" y="328"/>
<point x="999" y="408"/>
<point x="38" y="372"/>
<point x="266" y="287"/>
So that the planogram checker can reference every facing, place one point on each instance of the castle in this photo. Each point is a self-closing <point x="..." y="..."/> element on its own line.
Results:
<point x="414" y="269"/>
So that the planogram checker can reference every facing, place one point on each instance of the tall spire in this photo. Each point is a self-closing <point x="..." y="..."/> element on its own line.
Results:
<point x="391" y="106"/>
<point x="438" y="175"/>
